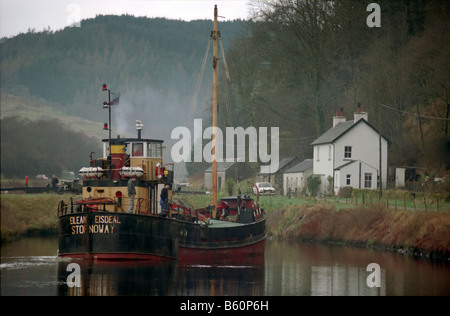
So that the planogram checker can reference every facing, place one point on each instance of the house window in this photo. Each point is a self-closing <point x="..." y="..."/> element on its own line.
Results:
<point x="329" y="152"/>
<point x="317" y="153"/>
<point x="348" y="179"/>
<point x="367" y="180"/>
<point x="348" y="152"/>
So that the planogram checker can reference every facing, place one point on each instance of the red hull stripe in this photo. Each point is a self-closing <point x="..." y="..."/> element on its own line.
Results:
<point x="118" y="256"/>
<point x="253" y="252"/>
<point x="185" y="254"/>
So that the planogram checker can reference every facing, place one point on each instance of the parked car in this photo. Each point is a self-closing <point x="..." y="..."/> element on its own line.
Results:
<point x="41" y="177"/>
<point x="264" y="188"/>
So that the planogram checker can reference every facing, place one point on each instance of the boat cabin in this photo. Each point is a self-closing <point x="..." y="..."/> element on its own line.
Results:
<point x="135" y="156"/>
<point x="123" y="158"/>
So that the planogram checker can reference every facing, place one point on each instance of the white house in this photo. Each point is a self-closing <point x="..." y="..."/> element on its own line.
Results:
<point x="294" y="179"/>
<point x="348" y="154"/>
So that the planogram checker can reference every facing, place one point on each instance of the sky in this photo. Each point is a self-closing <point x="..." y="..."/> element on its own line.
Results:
<point x="18" y="16"/>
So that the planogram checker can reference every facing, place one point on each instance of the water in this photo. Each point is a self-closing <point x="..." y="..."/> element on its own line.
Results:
<point x="30" y="267"/>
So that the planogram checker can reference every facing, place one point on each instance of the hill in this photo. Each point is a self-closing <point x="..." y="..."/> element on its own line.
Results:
<point x="55" y="78"/>
<point x="153" y="63"/>
<point x="293" y="67"/>
<point x="301" y="61"/>
<point x="43" y="147"/>
<point x="37" y="110"/>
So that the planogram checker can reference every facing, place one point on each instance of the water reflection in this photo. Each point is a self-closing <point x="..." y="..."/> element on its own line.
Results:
<point x="315" y="269"/>
<point x="161" y="279"/>
<point x="118" y="278"/>
<point x="214" y="280"/>
<point x="29" y="267"/>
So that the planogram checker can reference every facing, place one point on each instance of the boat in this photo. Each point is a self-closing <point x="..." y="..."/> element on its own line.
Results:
<point x="99" y="225"/>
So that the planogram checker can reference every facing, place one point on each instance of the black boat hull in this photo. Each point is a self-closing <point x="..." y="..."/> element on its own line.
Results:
<point x="223" y="242"/>
<point x="108" y="235"/>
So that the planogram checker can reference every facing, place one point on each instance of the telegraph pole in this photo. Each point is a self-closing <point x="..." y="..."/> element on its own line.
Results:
<point x="380" y="157"/>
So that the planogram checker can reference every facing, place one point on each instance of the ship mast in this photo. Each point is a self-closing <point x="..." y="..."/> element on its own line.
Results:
<point x="214" y="113"/>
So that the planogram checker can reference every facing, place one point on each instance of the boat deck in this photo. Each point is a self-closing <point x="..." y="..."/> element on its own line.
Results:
<point x="214" y="223"/>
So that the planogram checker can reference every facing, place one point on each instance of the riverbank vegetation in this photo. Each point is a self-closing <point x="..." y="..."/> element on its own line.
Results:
<point x="415" y="232"/>
<point x="25" y="214"/>
<point x="419" y="232"/>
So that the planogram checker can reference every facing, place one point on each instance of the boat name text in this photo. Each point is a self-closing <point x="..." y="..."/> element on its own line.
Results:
<point x="103" y="224"/>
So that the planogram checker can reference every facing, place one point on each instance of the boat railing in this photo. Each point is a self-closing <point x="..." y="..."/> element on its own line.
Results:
<point x="184" y="213"/>
<point x="103" y="204"/>
<point x="142" y="207"/>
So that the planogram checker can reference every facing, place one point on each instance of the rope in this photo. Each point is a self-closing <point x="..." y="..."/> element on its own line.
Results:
<point x="192" y="106"/>
<point x="417" y="115"/>
<point x="198" y="85"/>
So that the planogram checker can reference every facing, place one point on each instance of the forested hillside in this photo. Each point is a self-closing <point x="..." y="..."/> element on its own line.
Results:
<point x="43" y="147"/>
<point x="153" y="63"/>
<point x="301" y="61"/>
<point x="293" y="67"/>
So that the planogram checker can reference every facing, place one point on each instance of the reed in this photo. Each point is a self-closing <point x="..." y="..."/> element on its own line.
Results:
<point x="367" y="225"/>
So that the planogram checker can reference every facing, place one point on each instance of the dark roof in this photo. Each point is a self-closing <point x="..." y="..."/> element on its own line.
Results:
<point x="301" y="167"/>
<point x="353" y="161"/>
<point x="222" y="166"/>
<point x="340" y="129"/>
<point x="283" y="163"/>
<point x="345" y="164"/>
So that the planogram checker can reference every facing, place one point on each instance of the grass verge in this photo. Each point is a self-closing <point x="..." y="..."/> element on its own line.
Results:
<point x="23" y="214"/>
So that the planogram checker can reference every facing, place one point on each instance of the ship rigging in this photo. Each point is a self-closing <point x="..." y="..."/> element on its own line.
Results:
<point x="97" y="226"/>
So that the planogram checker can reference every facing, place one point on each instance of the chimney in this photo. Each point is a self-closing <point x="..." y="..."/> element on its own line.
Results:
<point x="360" y="114"/>
<point x="139" y="127"/>
<point x="339" y="118"/>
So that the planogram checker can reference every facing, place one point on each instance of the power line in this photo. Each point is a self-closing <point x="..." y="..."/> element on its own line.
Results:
<point x="417" y="115"/>
<point x="296" y="138"/>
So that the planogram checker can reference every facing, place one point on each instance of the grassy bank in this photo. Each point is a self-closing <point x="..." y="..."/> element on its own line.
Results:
<point x="419" y="233"/>
<point x="23" y="214"/>
<point x="370" y="225"/>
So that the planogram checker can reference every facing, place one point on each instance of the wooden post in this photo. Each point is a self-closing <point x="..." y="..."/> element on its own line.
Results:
<point x="379" y="148"/>
<point x="387" y="201"/>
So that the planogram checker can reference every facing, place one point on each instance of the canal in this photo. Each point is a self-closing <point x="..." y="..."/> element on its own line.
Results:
<point x="30" y="267"/>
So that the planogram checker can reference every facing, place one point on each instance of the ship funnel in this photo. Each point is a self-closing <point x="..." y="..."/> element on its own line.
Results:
<point x="139" y="127"/>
